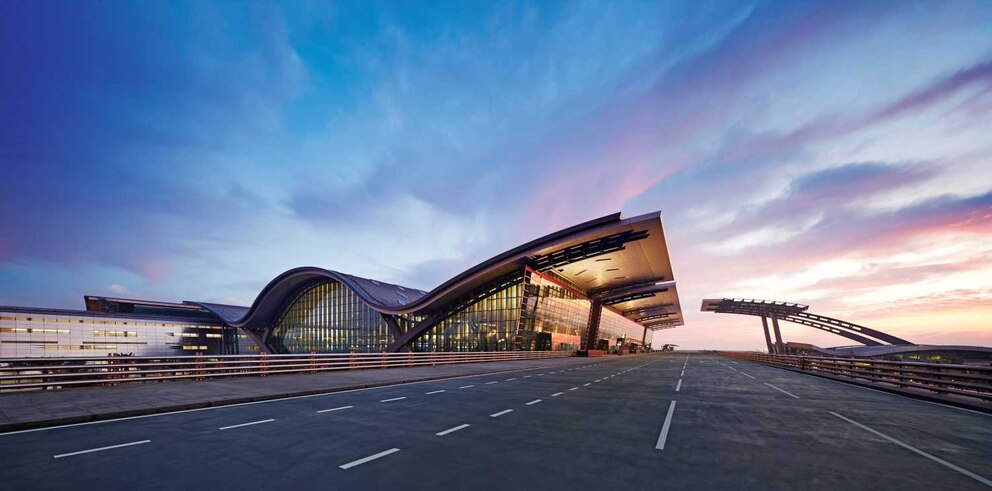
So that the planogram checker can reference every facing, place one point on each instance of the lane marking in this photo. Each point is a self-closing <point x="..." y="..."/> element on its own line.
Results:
<point x="496" y="415"/>
<point x="682" y="374"/>
<point x="490" y="383"/>
<point x="393" y="399"/>
<point x="267" y="401"/>
<point x="535" y="401"/>
<point x="598" y="380"/>
<point x="782" y="391"/>
<point x="452" y="430"/>
<point x="679" y="386"/>
<point x="335" y="409"/>
<point x="246" y="424"/>
<point x="747" y="375"/>
<point x="511" y="378"/>
<point x="574" y="388"/>
<point x="856" y="386"/>
<point x="665" y="427"/>
<point x="434" y="392"/>
<point x="370" y="458"/>
<point x="587" y="384"/>
<point x="917" y="451"/>
<point x="556" y="394"/>
<point x="526" y="376"/>
<point x="466" y="386"/>
<point x="70" y="454"/>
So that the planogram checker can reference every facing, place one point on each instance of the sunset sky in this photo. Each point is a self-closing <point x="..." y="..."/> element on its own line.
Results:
<point x="837" y="154"/>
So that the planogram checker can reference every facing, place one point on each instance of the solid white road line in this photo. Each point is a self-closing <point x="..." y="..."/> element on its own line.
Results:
<point x="782" y="391"/>
<point x="434" y="392"/>
<point x="665" y="427"/>
<point x="854" y="386"/>
<point x="732" y="368"/>
<point x="747" y="375"/>
<point x="556" y="394"/>
<point x="679" y="386"/>
<point x="496" y="415"/>
<point x="370" y="458"/>
<point x="535" y="401"/>
<point x="59" y="456"/>
<point x="917" y="451"/>
<point x="490" y="383"/>
<point x="466" y="386"/>
<point x="452" y="430"/>
<point x="246" y="424"/>
<point x="393" y="399"/>
<point x="335" y="409"/>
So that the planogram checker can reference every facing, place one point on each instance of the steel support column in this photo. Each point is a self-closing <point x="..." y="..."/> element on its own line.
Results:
<point x="768" y="338"/>
<point x="592" y="329"/>
<point x="780" y="348"/>
<point x="644" y="337"/>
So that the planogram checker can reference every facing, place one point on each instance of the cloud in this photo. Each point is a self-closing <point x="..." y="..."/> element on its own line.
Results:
<point x="805" y="143"/>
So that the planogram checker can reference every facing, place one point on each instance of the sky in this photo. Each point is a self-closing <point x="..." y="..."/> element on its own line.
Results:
<point x="835" y="154"/>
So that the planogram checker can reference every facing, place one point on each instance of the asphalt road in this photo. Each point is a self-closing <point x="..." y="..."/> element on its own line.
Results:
<point x="646" y="422"/>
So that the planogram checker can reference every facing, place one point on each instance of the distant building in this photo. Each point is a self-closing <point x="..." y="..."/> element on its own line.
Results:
<point x="593" y="285"/>
<point x="961" y="355"/>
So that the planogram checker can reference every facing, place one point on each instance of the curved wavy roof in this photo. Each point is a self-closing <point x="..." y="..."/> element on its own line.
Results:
<point x="579" y="253"/>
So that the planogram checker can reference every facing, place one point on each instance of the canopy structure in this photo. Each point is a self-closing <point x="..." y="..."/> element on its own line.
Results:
<point x="612" y="270"/>
<point x="798" y="314"/>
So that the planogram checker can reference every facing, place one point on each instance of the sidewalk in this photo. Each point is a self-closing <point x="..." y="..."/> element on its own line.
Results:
<point x="24" y="410"/>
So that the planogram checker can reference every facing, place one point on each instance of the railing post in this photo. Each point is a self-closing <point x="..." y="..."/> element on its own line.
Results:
<point x="264" y="363"/>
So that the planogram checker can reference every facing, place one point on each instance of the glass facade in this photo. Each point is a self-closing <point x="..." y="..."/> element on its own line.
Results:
<point x="613" y="325"/>
<point x="534" y="312"/>
<point x="330" y="318"/>
<point x="41" y="334"/>
<point x="555" y="317"/>
<point x="487" y="325"/>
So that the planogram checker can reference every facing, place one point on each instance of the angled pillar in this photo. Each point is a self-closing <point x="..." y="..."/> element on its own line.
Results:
<point x="768" y="338"/>
<point x="396" y="331"/>
<point x="780" y="348"/>
<point x="592" y="329"/>
<point x="644" y="337"/>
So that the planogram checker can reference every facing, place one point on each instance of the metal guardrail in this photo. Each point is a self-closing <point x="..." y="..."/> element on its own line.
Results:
<point x="939" y="378"/>
<point x="55" y="373"/>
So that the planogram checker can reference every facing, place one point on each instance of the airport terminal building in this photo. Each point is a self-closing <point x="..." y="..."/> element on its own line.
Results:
<point x="603" y="284"/>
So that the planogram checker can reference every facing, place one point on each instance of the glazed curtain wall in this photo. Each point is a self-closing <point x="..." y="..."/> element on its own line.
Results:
<point x="555" y="317"/>
<point x="613" y="325"/>
<point x="487" y="325"/>
<point x="536" y="314"/>
<point x="330" y="318"/>
<point x="45" y="334"/>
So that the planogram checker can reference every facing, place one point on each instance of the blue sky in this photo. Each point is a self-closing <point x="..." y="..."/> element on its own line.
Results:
<point x="835" y="154"/>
